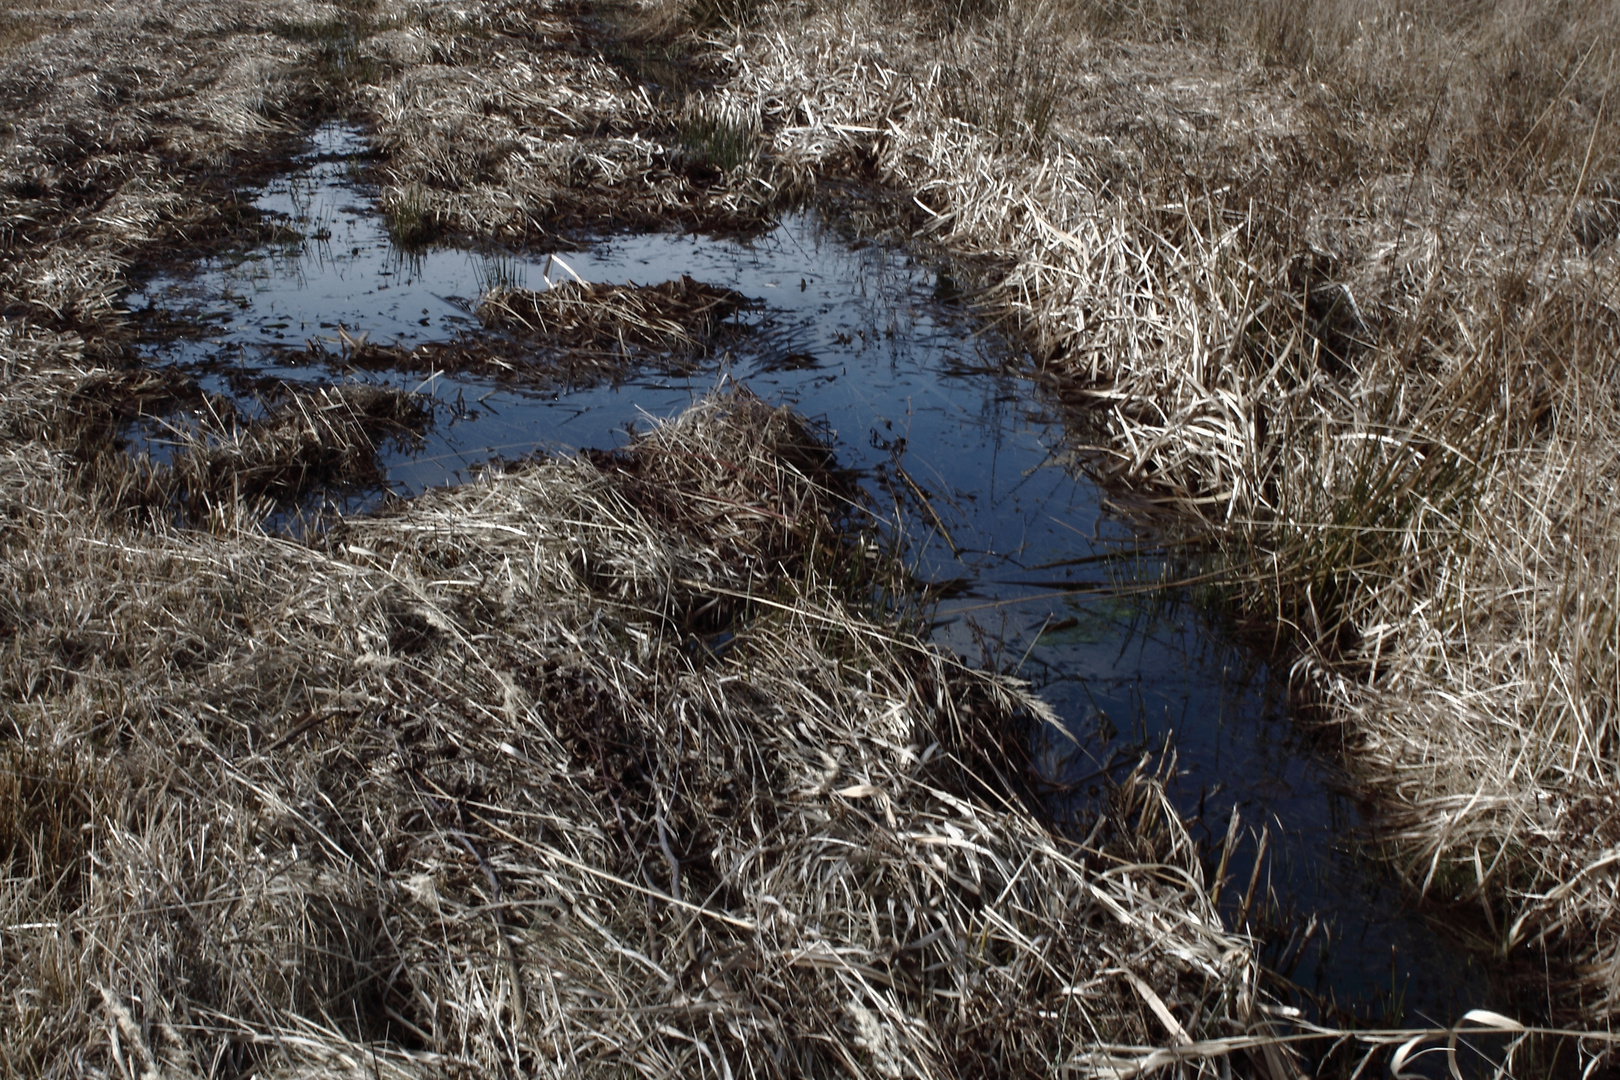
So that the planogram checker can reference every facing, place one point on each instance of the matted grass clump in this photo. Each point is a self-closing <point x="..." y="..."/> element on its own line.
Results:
<point x="679" y="316"/>
<point x="307" y="441"/>
<point x="587" y="767"/>
<point x="152" y="442"/>
<point x="570" y="335"/>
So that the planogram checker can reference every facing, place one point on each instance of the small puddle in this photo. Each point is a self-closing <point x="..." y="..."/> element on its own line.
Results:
<point x="863" y="337"/>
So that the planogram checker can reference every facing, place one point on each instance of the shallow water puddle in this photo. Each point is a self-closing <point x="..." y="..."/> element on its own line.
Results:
<point x="858" y="336"/>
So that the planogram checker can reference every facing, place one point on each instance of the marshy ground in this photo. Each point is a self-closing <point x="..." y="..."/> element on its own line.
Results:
<point x="639" y="762"/>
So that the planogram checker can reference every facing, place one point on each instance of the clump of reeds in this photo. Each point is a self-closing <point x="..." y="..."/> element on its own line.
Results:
<point x="411" y="221"/>
<point x="308" y="441"/>
<point x="590" y="766"/>
<point x="712" y="139"/>
<point x="679" y="316"/>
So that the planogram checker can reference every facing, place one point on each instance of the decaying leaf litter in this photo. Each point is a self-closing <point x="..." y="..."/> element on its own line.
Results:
<point x="594" y="764"/>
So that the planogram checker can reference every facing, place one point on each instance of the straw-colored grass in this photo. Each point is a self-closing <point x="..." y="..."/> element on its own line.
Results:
<point x="227" y="466"/>
<point x="116" y="127"/>
<point x="21" y="24"/>
<point x="610" y="765"/>
<point x="570" y="335"/>
<point x="496" y="122"/>
<point x="586" y="767"/>
<point x="1339" y="280"/>
<point x="677" y="316"/>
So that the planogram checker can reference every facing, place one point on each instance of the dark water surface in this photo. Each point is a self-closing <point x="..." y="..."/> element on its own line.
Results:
<point x="862" y="338"/>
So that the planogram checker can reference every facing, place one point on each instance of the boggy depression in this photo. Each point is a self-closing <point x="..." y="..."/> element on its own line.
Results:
<point x="442" y="361"/>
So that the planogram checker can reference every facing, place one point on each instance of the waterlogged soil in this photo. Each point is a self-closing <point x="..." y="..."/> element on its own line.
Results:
<point x="1037" y="576"/>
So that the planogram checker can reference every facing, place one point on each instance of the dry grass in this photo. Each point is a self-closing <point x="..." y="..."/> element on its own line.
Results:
<point x="214" y="467"/>
<point x="677" y="316"/>
<point x="1338" y="279"/>
<point x="495" y="118"/>
<point x="225" y="470"/>
<point x="504" y="120"/>
<point x="608" y="765"/>
<point x="21" y="24"/>
<point x="585" y="767"/>
<point x="114" y="138"/>
<point x="571" y="335"/>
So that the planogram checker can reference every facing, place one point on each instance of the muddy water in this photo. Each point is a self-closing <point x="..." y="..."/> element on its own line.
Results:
<point x="865" y="339"/>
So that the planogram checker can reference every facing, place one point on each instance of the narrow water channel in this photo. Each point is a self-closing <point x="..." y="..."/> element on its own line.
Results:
<point x="864" y="338"/>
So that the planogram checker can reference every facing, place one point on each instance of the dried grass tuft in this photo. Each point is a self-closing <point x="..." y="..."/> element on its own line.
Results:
<point x="571" y="335"/>
<point x="677" y="316"/>
<point x="308" y="441"/>
<point x="151" y="442"/>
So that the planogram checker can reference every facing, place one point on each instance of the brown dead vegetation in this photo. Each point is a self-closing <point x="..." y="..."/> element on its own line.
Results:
<point x="604" y="765"/>
<point x="276" y="808"/>
<point x="222" y="469"/>
<point x="504" y="120"/>
<point x="200" y="460"/>
<point x="677" y="316"/>
<point x="1337" y="280"/>
<point x="571" y="335"/>
<point x="121" y="128"/>
<point x="584" y="767"/>
<point x="129" y="130"/>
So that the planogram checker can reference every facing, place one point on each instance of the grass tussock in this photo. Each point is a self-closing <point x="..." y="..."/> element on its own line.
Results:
<point x="1337" y="280"/>
<point x="596" y="765"/>
<point x="152" y="443"/>
<point x="412" y="223"/>
<point x="571" y="335"/>
<point x="682" y="315"/>
<point x="711" y="139"/>
<point x="224" y="465"/>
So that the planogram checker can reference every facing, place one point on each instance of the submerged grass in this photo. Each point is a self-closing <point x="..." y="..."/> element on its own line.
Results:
<point x="1337" y="279"/>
